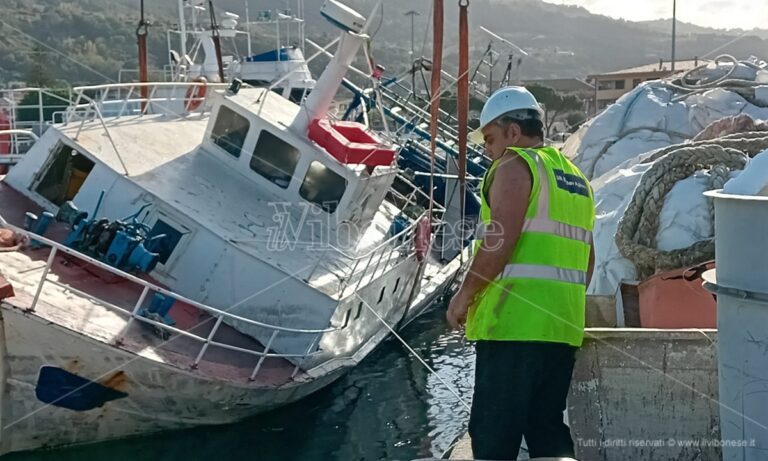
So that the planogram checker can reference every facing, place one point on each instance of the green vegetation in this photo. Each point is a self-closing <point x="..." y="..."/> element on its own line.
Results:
<point x="554" y="104"/>
<point x="88" y="41"/>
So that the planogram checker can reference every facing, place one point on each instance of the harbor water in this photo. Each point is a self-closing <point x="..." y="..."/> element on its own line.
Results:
<point x="389" y="407"/>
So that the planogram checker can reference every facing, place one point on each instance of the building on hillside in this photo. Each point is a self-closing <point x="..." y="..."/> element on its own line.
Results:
<point x="610" y="86"/>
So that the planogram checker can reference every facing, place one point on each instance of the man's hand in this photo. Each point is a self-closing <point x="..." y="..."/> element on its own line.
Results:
<point x="458" y="309"/>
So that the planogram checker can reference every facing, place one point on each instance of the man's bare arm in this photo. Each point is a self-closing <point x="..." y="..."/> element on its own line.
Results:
<point x="509" y="197"/>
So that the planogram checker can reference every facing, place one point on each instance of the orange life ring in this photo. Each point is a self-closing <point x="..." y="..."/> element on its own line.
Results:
<point x="422" y="238"/>
<point x="195" y="94"/>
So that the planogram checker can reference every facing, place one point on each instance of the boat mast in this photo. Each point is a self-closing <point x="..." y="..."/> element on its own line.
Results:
<point x="141" y="40"/>
<point x="216" y="41"/>
<point x="248" y="27"/>
<point x="437" y="67"/>
<point x="463" y="105"/>
<point x="182" y="29"/>
<point x="302" y="25"/>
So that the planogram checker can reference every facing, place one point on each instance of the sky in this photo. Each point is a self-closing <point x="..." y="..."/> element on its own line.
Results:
<point x="722" y="14"/>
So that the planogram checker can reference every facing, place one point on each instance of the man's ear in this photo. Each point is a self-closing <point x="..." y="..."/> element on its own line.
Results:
<point x="513" y="131"/>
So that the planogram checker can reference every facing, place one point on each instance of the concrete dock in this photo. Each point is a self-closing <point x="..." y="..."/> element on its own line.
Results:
<point x="641" y="394"/>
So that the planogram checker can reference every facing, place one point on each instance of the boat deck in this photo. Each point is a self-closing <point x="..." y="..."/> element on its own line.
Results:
<point x="107" y="320"/>
<point x="208" y="189"/>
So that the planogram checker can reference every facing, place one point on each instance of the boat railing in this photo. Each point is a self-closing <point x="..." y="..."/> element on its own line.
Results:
<point x="26" y="111"/>
<point x="135" y="313"/>
<point x="115" y="100"/>
<point x="166" y="74"/>
<point x="15" y="143"/>
<point x="358" y="267"/>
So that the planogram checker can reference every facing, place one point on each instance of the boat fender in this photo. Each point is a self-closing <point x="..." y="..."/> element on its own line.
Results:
<point x="195" y="94"/>
<point x="422" y="238"/>
<point x="10" y="240"/>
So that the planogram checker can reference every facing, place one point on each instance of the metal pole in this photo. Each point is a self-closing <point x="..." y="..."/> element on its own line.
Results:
<point x="48" y="264"/>
<point x="277" y="25"/>
<point x="301" y="26"/>
<point x="183" y="29"/>
<point x="248" y="27"/>
<point x="216" y="41"/>
<point x="674" y="31"/>
<point x="594" y="108"/>
<point x="413" y="14"/>
<point x="141" y="39"/>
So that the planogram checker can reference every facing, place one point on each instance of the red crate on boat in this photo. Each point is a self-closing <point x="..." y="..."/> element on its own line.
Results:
<point x="349" y="142"/>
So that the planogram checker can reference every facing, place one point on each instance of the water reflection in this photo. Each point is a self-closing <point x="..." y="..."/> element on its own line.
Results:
<point x="389" y="407"/>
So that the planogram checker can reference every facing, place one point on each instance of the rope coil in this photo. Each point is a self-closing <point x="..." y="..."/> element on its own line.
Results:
<point x="637" y="230"/>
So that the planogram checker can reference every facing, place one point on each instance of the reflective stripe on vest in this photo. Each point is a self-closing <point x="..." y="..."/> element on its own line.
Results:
<point x="548" y="226"/>
<point x="530" y="271"/>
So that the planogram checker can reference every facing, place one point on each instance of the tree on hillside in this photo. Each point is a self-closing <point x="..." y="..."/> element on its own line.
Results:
<point x="554" y="104"/>
<point x="40" y="74"/>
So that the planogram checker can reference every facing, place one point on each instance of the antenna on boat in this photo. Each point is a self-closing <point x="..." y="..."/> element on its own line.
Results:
<point x="141" y="40"/>
<point x="491" y="63"/>
<point x="216" y="40"/>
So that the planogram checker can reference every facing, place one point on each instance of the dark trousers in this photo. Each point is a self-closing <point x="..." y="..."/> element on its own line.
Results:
<point x="520" y="390"/>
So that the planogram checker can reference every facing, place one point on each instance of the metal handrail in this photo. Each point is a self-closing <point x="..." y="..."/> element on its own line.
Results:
<point x="152" y="286"/>
<point x="148" y="286"/>
<point x="31" y="134"/>
<point x="129" y="93"/>
<point x="107" y="86"/>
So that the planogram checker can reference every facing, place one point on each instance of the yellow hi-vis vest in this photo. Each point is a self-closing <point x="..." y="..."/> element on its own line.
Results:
<point x="541" y="293"/>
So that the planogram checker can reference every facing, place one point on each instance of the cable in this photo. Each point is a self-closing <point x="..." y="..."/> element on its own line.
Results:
<point x="450" y="388"/>
<point x="381" y="21"/>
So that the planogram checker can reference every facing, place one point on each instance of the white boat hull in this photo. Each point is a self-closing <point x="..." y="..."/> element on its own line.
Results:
<point x="159" y="397"/>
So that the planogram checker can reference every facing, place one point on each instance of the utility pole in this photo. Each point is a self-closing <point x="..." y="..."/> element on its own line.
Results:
<point x="674" y="31"/>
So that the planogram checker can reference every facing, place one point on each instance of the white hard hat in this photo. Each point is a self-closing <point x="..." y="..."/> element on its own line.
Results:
<point x="509" y="99"/>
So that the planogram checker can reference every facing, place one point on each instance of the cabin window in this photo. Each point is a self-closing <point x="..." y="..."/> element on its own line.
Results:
<point x="323" y="187"/>
<point x="298" y="94"/>
<point x="230" y="130"/>
<point x="66" y="173"/>
<point x="165" y="246"/>
<point x="275" y="159"/>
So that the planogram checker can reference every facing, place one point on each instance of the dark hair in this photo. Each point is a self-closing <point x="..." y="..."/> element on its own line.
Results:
<point x="530" y="124"/>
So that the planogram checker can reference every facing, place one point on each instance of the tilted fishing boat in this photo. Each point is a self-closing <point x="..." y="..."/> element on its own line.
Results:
<point x="178" y="254"/>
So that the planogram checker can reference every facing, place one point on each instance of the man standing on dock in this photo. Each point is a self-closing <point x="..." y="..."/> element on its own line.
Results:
<point x="524" y="295"/>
